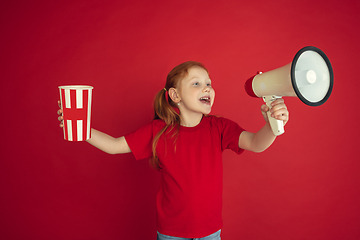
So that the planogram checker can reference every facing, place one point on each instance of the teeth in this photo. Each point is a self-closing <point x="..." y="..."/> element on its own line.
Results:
<point x="205" y="99"/>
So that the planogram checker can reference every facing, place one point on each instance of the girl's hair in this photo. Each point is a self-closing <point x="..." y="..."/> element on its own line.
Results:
<point x="164" y="107"/>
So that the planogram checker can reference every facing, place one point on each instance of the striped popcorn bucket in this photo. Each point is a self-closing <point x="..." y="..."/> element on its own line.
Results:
<point x="76" y="105"/>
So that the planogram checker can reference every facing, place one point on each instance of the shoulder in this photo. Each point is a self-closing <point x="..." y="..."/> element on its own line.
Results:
<point x="224" y="125"/>
<point x="158" y="123"/>
<point x="148" y="129"/>
<point x="217" y="120"/>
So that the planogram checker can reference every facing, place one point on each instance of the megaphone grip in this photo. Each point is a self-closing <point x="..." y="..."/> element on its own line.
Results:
<point x="277" y="126"/>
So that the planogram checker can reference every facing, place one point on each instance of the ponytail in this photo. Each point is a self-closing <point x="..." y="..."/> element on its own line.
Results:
<point x="165" y="108"/>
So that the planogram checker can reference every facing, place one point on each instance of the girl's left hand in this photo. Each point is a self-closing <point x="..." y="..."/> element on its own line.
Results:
<point x="278" y="111"/>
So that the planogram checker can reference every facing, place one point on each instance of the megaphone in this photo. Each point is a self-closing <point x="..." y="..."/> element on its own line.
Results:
<point x="309" y="77"/>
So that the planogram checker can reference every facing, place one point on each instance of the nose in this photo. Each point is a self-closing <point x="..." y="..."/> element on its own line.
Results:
<point x="207" y="89"/>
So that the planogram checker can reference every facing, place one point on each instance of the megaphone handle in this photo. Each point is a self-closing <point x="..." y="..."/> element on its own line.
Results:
<point x="277" y="126"/>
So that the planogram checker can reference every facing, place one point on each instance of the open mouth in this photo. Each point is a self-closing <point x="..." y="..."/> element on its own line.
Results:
<point x="205" y="100"/>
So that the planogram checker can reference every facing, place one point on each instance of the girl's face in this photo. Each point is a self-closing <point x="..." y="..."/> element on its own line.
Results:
<point x="195" y="92"/>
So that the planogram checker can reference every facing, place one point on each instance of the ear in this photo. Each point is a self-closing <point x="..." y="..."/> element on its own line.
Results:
<point x="173" y="94"/>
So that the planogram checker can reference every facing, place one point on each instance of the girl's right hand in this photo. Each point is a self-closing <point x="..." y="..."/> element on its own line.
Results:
<point x="60" y="118"/>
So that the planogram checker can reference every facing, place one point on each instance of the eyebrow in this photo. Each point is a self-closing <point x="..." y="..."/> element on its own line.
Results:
<point x="198" y="77"/>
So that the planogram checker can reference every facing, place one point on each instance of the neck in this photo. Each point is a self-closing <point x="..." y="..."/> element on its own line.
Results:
<point x="192" y="121"/>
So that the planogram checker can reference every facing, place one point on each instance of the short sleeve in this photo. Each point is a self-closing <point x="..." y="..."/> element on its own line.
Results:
<point x="140" y="142"/>
<point x="230" y="135"/>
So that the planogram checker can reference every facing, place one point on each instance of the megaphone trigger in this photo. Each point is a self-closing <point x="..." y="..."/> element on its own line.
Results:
<point x="277" y="126"/>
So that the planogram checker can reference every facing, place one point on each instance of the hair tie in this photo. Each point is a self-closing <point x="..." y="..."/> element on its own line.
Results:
<point x="166" y="95"/>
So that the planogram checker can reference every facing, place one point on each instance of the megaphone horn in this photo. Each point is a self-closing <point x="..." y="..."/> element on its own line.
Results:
<point x="309" y="76"/>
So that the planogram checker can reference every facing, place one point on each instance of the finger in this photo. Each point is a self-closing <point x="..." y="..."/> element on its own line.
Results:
<point x="282" y="117"/>
<point x="264" y="108"/>
<point x="277" y="107"/>
<point x="281" y="114"/>
<point x="60" y="118"/>
<point x="59" y="104"/>
<point x="59" y="112"/>
<point x="279" y="111"/>
<point x="277" y="101"/>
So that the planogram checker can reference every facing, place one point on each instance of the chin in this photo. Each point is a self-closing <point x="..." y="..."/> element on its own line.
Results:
<point x="207" y="112"/>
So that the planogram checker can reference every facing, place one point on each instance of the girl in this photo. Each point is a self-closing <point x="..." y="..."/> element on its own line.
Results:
<point x="186" y="145"/>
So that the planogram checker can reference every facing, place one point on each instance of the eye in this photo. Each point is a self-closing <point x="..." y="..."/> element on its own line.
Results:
<point x="196" y="83"/>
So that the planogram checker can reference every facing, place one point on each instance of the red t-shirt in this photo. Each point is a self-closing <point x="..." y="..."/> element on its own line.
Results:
<point x="189" y="201"/>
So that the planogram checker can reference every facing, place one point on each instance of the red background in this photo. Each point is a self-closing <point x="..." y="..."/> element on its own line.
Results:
<point x="306" y="186"/>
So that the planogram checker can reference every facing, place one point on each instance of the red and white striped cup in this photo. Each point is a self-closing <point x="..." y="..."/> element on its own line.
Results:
<point x="76" y="105"/>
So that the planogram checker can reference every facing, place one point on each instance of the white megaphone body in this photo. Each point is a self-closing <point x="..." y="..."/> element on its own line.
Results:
<point x="309" y="77"/>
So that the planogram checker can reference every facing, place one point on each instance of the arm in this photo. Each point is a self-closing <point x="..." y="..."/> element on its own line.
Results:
<point x="103" y="141"/>
<point x="262" y="139"/>
<point x="108" y="143"/>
